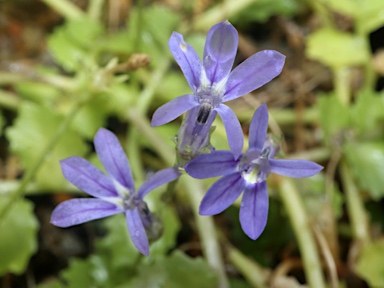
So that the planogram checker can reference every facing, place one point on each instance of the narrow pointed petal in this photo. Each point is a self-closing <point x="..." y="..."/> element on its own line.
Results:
<point x="222" y="194"/>
<point x="220" y="51"/>
<point x="258" y="128"/>
<point x="214" y="164"/>
<point x="87" y="177"/>
<point x="294" y="168"/>
<point x="78" y="211"/>
<point x="137" y="231"/>
<point x="254" y="210"/>
<point x="253" y="73"/>
<point x="232" y="126"/>
<point x="113" y="157"/>
<point x="187" y="59"/>
<point x="156" y="180"/>
<point x="173" y="109"/>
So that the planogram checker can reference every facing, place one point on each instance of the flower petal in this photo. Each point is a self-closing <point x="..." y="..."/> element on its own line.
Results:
<point x="187" y="59"/>
<point x="156" y="180"/>
<point x="254" y="210"/>
<point x="233" y="128"/>
<point x="214" y="164"/>
<point x="222" y="194"/>
<point x="87" y="177"/>
<point x="113" y="157"/>
<point x="220" y="51"/>
<point x="253" y="73"/>
<point x="294" y="168"/>
<point x="173" y="109"/>
<point x="137" y="231"/>
<point x="258" y="128"/>
<point x="78" y="211"/>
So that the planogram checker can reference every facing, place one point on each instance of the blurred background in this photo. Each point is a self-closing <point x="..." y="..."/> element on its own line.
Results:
<point x="68" y="68"/>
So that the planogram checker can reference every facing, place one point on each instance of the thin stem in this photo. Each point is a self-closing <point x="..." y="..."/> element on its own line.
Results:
<point x="206" y="229"/>
<point x="342" y="84"/>
<point x="9" y="100"/>
<point x="95" y="8"/>
<point x="65" y="8"/>
<point x="142" y="106"/>
<point x="255" y="274"/>
<point x="355" y="206"/>
<point x="30" y="173"/>
<point x="301" y="226"/>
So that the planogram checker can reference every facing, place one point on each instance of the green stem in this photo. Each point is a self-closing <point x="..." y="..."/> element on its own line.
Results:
<point x="301" y="226"/>
<point x="206" y="228"/>
<point x="30" y="173"/>
<point x="342" y="84"/>
<point x="65" y="8"/>
<point x="9" y="100"/>
<point x="95" y="8"/>
<point x="355" y="206"/>
<point x="142" y="106"/>
<point x="255" y="274"/>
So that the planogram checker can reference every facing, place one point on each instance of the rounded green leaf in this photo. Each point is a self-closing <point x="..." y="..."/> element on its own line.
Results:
<point x="18" y="230"/>
<point x="336" y="49"/>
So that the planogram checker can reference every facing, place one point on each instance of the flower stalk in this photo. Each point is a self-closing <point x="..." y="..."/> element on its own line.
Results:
<point x="301" y="226"/>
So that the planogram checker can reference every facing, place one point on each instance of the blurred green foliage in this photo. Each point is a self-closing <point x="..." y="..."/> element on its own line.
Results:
<point x="62" y="106"/>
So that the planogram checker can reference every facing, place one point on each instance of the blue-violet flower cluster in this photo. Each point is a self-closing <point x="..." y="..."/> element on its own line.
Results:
<point x="213" y="83"/>
<point x="248" y="174"/>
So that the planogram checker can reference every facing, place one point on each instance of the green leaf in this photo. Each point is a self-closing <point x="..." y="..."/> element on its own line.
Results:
<point x="177" y="270"/>
<point x="366" y="161"/>
<point x="65" y="52"/>
<point x="337" y="49"/>
<point x="370" y="265"/>
<point x="72" y="43"/>
<point x="370" y="15"/>
<point x="262" y="10"/>
<point x="79" y="274"/>
<point x="38" y="92"/>
<point x="368" y="112"/>
<point x="333" y="116"/>
<point x="84" y="31"/>
<point x="19" y="224"/>
<point x="91" y="117"/>
<point x="30" y="135"/>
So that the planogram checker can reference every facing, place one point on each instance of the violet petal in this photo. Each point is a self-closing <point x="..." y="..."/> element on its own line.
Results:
<point x="258" y="128"/>
<point x="78" y="211"/>
<point x="254" y="210"/>
<point x="173" y="109"/>
<point x="214" y="164"/>
<point x="233" y="128"/>
<point x="294" y="168"/>
<point x="187" y="59"/>
<point x="113" y="158"/>
<point x="253" y="73"/>
<point x="156" y="180"/>
<point x="87" y="177"/>
<point x="137" y="231"/>
<point x="220" y="51"/>
<point x="222" y="194"/>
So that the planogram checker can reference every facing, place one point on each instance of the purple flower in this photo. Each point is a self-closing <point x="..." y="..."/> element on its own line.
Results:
<point x="213" y="83"/>
<point x="247" y="174"/>
<point x="114" y="193"/>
